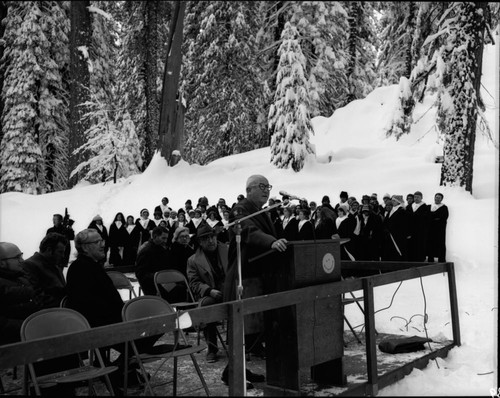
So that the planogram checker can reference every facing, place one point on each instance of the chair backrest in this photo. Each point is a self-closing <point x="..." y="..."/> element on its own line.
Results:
<point x="51" y="322"/>
<point x="171" y="276"/>
<point x="120" y="281"/>
<point x="144" y="307"/>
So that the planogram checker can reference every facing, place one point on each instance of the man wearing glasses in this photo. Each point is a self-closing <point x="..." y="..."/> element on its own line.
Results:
<point x="258" y="236"/>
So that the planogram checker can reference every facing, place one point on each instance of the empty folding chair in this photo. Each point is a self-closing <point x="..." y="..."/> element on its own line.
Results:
<point x="120" y="281"/>
<point x="149" y="306"/>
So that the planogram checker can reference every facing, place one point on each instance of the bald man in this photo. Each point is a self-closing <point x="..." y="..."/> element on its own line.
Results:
<point x="258" y="236"/>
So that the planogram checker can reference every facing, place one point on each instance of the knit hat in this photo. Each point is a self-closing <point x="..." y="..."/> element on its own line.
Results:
<point x="398" y="199"/>
<point x="98" y="217"/>
<point x="388" y="196"/>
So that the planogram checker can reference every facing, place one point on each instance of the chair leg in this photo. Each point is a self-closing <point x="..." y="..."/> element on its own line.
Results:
<point x="195" y="363"/>
<point x="175" y="377"/>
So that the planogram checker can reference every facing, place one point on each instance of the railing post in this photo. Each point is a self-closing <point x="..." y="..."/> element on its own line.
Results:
<point x="452" y="286"/>
<point x="371" y="343"/>
<point x="236" y="356"/>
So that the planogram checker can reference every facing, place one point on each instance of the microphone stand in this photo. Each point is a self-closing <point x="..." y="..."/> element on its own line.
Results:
<point x="239" y="288"/>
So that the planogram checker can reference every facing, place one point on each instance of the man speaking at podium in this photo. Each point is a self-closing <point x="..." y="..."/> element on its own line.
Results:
<point x="257" y="237"/>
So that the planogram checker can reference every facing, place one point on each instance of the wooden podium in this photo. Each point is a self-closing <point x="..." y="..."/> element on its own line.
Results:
<point x="305" y="341"/>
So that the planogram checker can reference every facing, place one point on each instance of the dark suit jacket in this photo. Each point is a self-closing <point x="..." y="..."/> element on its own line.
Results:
<point x="257" y="236"/>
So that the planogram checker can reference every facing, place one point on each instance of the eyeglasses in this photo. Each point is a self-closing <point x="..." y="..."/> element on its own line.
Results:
<point x="264" y="187"/>
<point x="98" y="241"/>
<point x="18" y="257"/>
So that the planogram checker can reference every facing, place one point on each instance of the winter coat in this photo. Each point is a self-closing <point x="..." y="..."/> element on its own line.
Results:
<point x="325" y="229"/>
<point x="47" y="278"/>
<point x="91" y="292"/>
<point x="18" y="300"/>
<point x="436" y="244"/>
<point x="201" y="275"/>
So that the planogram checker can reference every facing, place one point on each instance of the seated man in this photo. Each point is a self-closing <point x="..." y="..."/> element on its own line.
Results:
<point x="44" y="267"/>
<point x="206" y="271"/>
<point x="91" y="291"/>
<point x="154" y="257"/>
<point x="18" y="298"/>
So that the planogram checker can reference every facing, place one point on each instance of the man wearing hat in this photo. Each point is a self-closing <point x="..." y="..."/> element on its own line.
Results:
<point x="97" y="224"/>
<point x="396" y="232"/>
<point x="206" y="270"/>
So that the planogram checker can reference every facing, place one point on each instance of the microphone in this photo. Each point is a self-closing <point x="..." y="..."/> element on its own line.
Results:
<point x="290" y="196"/>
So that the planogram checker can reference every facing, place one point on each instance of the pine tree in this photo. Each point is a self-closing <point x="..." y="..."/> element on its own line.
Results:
<point x="458" y="102"/>
<point x="289" y="114"/>
<point x="33" y="152"/>
<point x="220" y="81"/>
<point x="111" y="145"/>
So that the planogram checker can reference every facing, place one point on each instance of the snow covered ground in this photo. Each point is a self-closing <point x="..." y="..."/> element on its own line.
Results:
<point x="363" y="161"/>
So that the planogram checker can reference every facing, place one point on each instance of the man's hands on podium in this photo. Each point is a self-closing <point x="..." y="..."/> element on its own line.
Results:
<point x="279" y="245"/>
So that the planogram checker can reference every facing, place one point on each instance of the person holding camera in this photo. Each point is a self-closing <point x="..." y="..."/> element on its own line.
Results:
<point x="63" y="226"/>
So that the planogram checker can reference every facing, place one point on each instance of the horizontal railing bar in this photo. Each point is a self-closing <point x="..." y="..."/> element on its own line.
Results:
<point x="55" y="346"/>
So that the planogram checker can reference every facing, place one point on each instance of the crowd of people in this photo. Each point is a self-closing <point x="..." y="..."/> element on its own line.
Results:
<point x="197" y="242"/>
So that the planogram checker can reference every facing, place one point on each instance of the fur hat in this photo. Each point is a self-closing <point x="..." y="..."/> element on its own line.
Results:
<point x="98" y="217"/>
<point x="398" y="199"/>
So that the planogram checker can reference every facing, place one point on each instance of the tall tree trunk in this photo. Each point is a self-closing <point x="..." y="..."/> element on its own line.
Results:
<point x="169" y="128"/>
<point x="410" y="31"/>
<point x="3" y="14"/>
<point x="80" y="37"/>
<point x="152" y="117"/>
<point x="353" y="19"/>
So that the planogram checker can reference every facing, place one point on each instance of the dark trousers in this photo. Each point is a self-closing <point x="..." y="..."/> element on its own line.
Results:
<point x="210" y="330"/>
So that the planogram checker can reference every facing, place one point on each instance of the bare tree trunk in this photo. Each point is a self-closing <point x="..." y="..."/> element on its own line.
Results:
<point x="152" y="117"/>
<point x="3" y="14"/>
<point x="80" y="38"/>
<point x="169" y="128"/>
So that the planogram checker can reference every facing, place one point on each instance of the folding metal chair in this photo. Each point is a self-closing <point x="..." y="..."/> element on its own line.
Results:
<point x="169" y="277"/>
<point x="120" y="281"/>
<point x="149" y="306"/>
<point x="55" y="321"/>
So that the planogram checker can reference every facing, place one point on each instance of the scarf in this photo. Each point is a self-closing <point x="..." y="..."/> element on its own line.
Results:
<point x="301" y="223"/>
<point x="339" y="220"/>
<point x="415" y="206"/>
<point x="434" y="207"/>
<point x="358" y="226"/>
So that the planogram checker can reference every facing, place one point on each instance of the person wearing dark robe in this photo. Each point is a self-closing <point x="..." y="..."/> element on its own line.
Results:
<point x="117" y="240"/>
<point x="325" y="228"/>
<point x="438" y="218"/>
<point x="289" y="224"/>
<point x="396" y="232"/>
<point x="131" y="243"/>
<point x="305" y="229"/>
<point x="370" y="238"/>
<point x="144" y="227"/>
<point x="419" y="228"/>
